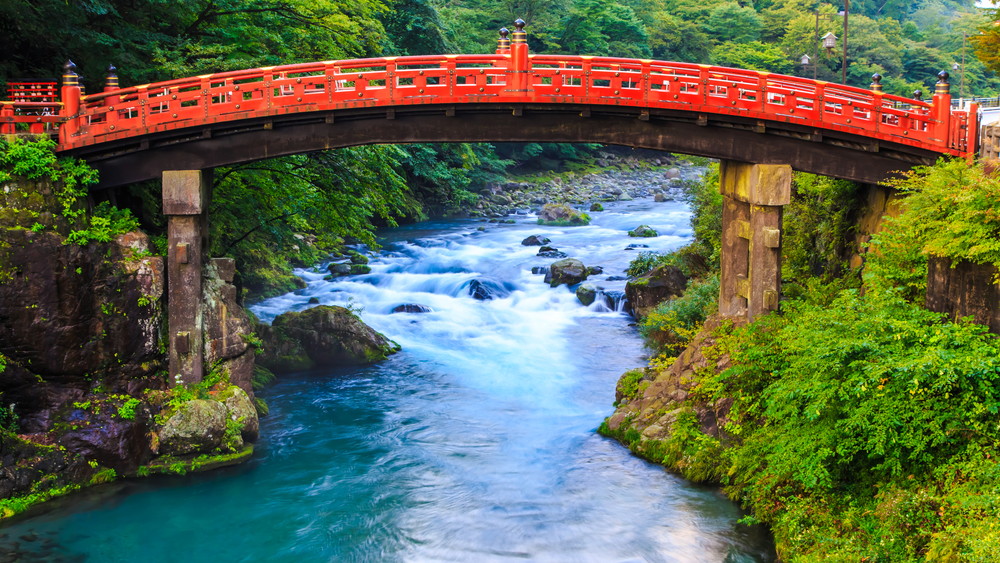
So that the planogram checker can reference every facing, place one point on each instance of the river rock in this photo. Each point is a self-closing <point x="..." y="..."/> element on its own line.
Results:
<point x="550" y="252"/>
<point x="339" y="269"/>
<point x="660" y="198"/>
<point x="197" y="426"/>
<point x="635" y="246"/>
<point x="612" y="299"/>
<point x="324" y="336"/>
<point x="595" y="270"/>
<point x="411" y="308"/>
<point x="569" y="271"/>
<point x="540" y="270"/>
<point x="535" y="240"/>
<point x="239" y="408"/>
<point x="643" y="231"/>
<point x="587" y="294"/>
<point x="646" y="292"/>
<point x="486" y="289"/>
<point x="561" y="214"/>
<point x="596" y="206"/>
<point x="100" y="435"/>
<point x="356" y="257"/>
<point x="672" y="173"/>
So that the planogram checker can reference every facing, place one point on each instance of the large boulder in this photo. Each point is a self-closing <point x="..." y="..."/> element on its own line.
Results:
<point x="562" y="215"/>
<point x="643" y="231"/>
<point x="323" y="336"/>
<point x="197" y="426"/>
<point x="649" y="290"/>
<point x="569" y="271"/>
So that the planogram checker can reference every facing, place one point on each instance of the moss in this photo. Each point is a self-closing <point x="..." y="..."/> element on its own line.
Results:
<point x="16" y="505"/>
<point x="182" y="465"/>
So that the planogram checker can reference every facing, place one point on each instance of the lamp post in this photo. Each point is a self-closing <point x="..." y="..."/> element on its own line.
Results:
<point x="830" y="41"/>
<point x="843" y="66"/>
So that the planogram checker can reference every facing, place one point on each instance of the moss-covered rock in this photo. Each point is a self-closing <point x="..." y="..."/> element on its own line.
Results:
<point x="649" y="290"/>
<point x="240" y="409"/>
<point x="323" y="336"/>
<point x="569" y="271"/>
<point x="643" y="231"/>
<point x="561" y="215"/>
<point x="197" y="426"/>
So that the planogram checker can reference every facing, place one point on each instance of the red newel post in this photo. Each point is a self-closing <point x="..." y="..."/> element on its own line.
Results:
<point x="503" y="44"/>
<point x="71" y="102"/>
<point x="7" y="127"/>
<point x="942" y="109"/>
<point x="110" y="85"/>
<point x="520" y="66"/>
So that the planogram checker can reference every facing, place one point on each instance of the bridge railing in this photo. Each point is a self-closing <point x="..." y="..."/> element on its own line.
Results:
<point x="760" y="97"/>
<point x="33" y="107"/>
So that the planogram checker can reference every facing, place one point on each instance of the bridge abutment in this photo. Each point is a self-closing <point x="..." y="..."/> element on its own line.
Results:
<point x="753" y="196"/>
<point x="186" y="196"/>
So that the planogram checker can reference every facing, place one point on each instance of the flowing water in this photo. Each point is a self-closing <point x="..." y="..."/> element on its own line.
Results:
<point x="475" y="443"/>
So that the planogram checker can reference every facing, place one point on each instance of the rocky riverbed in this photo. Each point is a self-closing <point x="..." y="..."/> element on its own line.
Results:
<point x="615" y="178"/>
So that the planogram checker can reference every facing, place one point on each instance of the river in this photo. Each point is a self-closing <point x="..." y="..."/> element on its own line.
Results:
<point x="475" y="443"/>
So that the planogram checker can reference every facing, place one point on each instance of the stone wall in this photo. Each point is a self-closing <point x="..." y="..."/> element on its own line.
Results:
<point x="966" y="289"/>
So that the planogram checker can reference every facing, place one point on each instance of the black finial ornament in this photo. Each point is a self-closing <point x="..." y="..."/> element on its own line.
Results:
<point x="943" y="77"/>
<point x="70" y="77"/>
<point x="876" y="82"/>
<point x="112" y="71"/>
<point x="918" y="95"/>
<point x="519" y="25"/>
<point x="504" y="32"/>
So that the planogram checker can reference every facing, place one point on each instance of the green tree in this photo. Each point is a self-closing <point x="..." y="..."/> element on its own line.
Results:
<point x="731" y="22"/>
<point x="754" y="55"/>
<point x="673" y="39"/>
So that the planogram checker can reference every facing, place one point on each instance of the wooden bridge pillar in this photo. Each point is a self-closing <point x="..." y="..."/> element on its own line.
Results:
<point x="185" y="203"/>
<point x="753" y="195"/>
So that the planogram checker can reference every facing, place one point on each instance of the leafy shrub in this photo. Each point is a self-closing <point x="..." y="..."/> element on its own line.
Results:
<point x="858" y="427"/>
<point x="672" y="324"/>
<point x="106" y="223"/>
<point x="691" y="259"/>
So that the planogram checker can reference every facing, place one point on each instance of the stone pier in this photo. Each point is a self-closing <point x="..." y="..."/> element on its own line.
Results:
<point x="753" y="196"/>
<point x="185" y="203"/>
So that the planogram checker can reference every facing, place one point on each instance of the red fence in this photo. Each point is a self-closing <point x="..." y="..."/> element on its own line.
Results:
<point x="500" y="78"/>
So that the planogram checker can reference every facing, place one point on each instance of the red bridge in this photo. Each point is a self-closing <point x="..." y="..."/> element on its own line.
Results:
<point x="760" y="125"/>
<point x="132" y="134"/>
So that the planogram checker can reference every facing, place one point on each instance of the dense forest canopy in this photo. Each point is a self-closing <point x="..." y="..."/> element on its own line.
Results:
<point x="263" y="210"/>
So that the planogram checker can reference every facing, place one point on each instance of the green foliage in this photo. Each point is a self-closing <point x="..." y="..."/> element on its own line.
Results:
<point x="9" y="421"/>
<point x="127" y="409"/>
<point x="34" y="159"/>
<point x="106" y="223"/>
<point x="705" y="200"/>
<point x="819" y="228"/>
<point x="753" y="55"/>
<point x="672" y="324"/>
<point x="851" y="421"/>
<point x="948" y="210"/>
<point x="232" y="439"/>
<point x="951" y="207"/>
<point x="630" y="384"/>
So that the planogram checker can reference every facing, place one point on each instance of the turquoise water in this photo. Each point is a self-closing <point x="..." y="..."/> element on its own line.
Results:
<point x="475" y="443"/>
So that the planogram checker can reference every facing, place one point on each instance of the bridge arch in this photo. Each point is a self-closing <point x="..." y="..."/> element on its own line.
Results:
<point x="132" y="134"/>
<point x="760" y="124"/>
